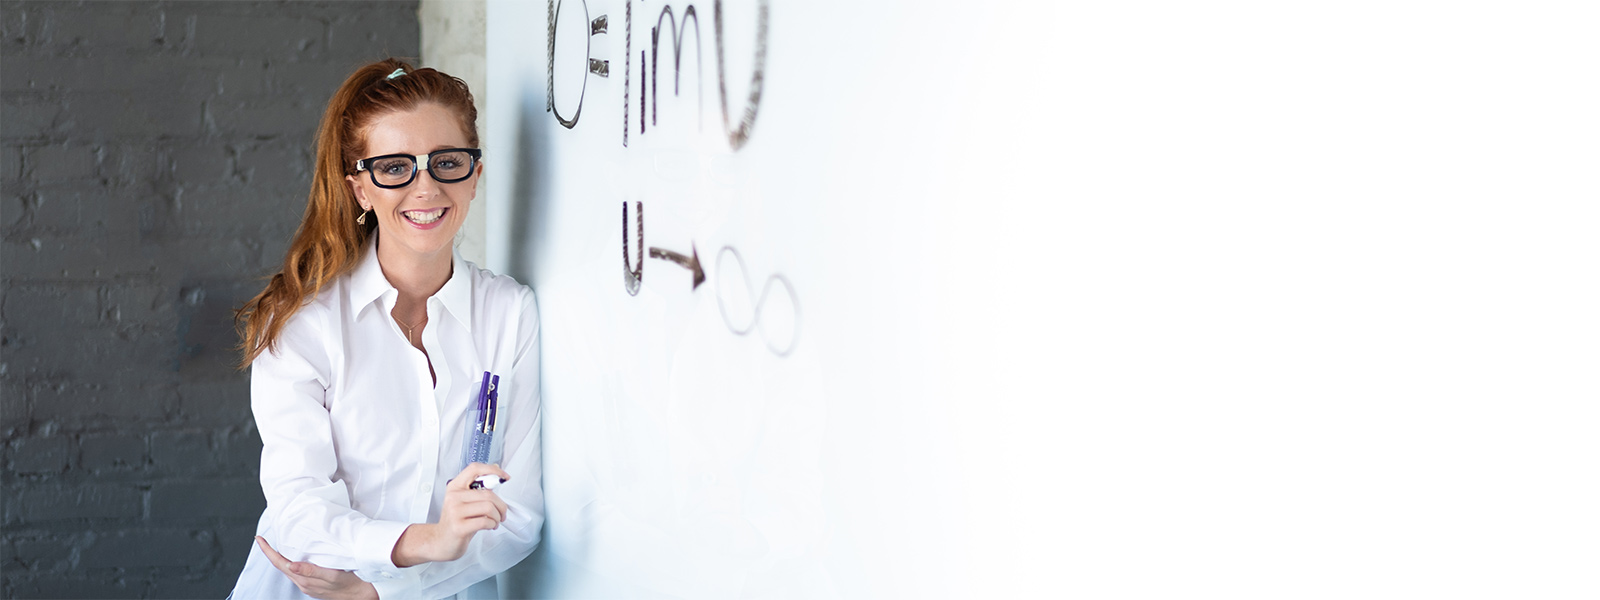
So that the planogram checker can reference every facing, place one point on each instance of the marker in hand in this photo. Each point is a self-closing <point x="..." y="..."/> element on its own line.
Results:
<point x="486" y="482"/>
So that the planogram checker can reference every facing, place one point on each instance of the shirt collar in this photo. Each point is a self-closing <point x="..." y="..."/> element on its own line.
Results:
<point x="456" y="295"/>
<point x="367" y="284"/>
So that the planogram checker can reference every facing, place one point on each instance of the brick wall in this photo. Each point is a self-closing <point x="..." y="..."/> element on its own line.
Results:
<point x="155" y="163"/>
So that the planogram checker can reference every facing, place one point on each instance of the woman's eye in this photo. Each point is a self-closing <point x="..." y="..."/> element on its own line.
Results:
<point x="446" y="164"/>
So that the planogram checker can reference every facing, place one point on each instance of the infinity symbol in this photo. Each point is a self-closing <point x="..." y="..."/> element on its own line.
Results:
<point x="783" y="333"/>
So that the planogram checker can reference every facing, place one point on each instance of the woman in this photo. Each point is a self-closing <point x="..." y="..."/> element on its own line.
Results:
<point x="368" y="352"/>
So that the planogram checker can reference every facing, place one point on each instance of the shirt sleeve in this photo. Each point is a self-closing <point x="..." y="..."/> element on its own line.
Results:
<point x="311" y="510"/>
<point x="493" y="551"/>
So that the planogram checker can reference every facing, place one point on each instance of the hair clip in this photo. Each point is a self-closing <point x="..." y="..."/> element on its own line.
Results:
<point x="396" y="73"/>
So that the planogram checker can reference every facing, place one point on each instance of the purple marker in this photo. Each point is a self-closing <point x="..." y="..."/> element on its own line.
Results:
<point x="494" y="403"/>
<point x="483" y="392"/>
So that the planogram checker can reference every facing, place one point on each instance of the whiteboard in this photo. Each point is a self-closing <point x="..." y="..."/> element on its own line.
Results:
<point x="1009" y="299"/>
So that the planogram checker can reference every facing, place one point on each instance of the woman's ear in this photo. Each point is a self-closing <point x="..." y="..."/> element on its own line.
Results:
<point x="358" y="191"/>
<point x="475" y="176"/>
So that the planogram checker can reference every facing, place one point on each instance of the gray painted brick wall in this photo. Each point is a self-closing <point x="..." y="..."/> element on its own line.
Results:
<point x="154" y="162"/>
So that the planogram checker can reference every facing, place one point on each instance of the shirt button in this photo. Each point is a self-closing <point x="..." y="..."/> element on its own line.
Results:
<point x="425" y="487"/>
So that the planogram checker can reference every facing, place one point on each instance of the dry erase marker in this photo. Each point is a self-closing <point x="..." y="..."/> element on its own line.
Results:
<point x="494" y="404"/>
<point x="486" y="388"/>
<point x="486" y="482"/>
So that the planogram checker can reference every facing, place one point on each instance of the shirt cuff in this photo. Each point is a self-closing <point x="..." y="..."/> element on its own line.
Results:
<point x="408" y="585"/>
<point x="374" y="551"/>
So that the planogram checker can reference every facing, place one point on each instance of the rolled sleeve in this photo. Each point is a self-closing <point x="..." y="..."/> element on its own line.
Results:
<point x="398" y="584"/>
<point x="374" y="550"/>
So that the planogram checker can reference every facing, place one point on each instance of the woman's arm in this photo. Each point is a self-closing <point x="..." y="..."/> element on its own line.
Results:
<point x="317" y="582"/>
<point x="466" y="511"/>
<point x="312" y="516"/>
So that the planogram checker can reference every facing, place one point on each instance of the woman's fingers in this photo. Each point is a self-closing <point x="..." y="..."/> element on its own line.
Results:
<point x="467" y="511"/>
<point x="500" y="506"/>
<point x="290" y="568"/>
<point x="312" y="579"/>
<point x="313" y="571"/>
<point x="276" y="559"/>
<point x="484" y="500"/>
<point x="489" y="507"/>
<point x="463" y="480"/>
<point x="466" y="503"/>
<point x="466" y="526"/>
<point x="319" y="582"/>
<point x="487" y="523"/>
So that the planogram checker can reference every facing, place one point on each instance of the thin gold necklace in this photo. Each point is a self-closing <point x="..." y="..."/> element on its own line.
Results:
<point x="409" y="328"/>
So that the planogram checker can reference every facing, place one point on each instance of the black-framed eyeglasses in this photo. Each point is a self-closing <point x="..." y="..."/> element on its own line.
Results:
<point x="449" y="165"/>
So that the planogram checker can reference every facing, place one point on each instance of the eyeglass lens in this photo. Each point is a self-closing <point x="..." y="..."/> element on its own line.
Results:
<point x="445" y="167"/>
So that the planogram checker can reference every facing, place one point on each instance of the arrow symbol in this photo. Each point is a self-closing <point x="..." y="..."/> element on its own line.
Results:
<point x="691" y="262"/>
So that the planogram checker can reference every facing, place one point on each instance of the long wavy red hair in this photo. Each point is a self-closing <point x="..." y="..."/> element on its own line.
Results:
<point x="329" y="241"/>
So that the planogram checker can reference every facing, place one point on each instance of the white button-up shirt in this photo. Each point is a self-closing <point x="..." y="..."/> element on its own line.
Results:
<point x="359" y="442"/>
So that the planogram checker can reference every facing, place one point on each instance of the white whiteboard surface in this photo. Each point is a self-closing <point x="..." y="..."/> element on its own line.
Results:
<point x="1098" y="300"/>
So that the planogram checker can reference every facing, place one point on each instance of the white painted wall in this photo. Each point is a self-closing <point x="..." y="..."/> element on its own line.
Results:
<point x="1100" y="300"/>
<point x="453" y="41"/>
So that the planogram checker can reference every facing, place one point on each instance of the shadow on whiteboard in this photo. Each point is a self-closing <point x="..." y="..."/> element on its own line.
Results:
<point x="530" y="213"/>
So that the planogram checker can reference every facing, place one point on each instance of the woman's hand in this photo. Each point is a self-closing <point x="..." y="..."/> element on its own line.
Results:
<point x="465" y="512"/>
<point x="318" y="582"/>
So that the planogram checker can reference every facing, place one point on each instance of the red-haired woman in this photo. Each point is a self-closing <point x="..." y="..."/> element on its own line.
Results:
<point x="367" y="352"/>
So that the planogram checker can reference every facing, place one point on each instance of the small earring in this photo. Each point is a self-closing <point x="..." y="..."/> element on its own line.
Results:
<point x="362" y="220"/>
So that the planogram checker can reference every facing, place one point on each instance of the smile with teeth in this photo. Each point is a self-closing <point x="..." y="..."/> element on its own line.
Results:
<point x="424" y="217"/>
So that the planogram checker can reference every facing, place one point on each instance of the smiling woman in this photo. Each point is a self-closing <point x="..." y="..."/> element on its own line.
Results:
<point x="366" y="349"/>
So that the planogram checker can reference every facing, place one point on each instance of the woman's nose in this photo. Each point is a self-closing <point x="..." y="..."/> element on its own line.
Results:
<point x="424" y="183"/>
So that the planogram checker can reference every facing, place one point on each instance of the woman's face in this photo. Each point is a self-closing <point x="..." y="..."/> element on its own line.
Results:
<point x="422" y="217"/>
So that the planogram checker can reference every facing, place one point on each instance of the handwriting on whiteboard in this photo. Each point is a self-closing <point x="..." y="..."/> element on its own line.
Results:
<point x="777" y="315"/>
<point x="649" y="62"/>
